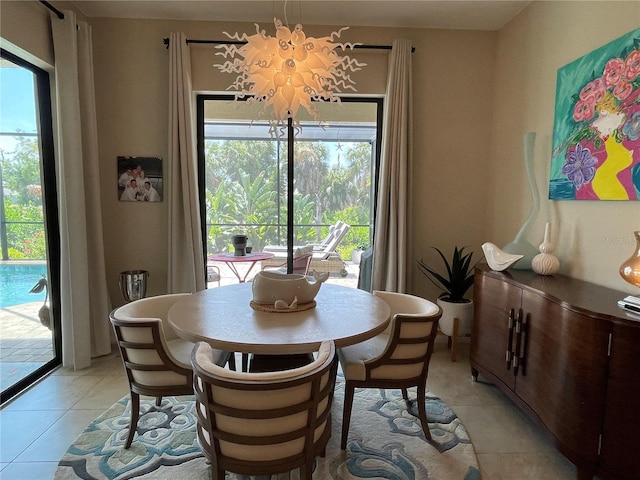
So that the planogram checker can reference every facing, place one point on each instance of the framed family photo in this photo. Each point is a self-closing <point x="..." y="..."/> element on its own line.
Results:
<point x="140" y="179"/>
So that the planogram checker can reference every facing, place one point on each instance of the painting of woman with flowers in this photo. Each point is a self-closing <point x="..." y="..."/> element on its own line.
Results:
<point x="596" y="133"/>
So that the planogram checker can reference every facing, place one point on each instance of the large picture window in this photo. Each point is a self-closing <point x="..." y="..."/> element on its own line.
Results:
<point x="30" y="336"/>
<point x="244" y="174"/>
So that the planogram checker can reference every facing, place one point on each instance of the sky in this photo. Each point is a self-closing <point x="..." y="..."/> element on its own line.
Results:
<point x="17" y="102"/>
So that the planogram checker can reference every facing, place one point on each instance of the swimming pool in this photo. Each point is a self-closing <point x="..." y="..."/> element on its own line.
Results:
<point x="16" y="280"/>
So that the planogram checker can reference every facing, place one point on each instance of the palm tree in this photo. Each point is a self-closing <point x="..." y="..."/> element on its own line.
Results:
<point x="311" y="168"/>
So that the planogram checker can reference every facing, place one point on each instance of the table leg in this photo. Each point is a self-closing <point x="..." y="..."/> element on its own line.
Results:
<point x="233" y="268"/>
<point x="253" y="264"/>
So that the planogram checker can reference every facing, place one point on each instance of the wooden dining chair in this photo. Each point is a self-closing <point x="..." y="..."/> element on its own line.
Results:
<point x="157" y="362"/>
<point x="398" y="358"/>
<point x="263" y="423"/>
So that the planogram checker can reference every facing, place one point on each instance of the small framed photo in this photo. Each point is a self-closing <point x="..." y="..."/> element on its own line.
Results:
<point x="140" y="179"/>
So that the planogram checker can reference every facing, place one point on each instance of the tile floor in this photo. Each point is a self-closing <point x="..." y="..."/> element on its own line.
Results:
<point x="25" y="344"/>
<point x="37" y="427"/>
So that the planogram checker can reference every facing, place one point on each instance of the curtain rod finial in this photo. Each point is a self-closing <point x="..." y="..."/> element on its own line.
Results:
<point x="58" y="13"/>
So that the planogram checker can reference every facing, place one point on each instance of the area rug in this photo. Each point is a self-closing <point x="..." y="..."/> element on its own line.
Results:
<point x="385" y="442"/>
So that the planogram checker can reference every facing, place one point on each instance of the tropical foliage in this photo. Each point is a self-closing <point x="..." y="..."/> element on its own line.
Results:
<point x="245" y="193"/>
<point x="22" y="192"/>
<point x="246" y="185"/>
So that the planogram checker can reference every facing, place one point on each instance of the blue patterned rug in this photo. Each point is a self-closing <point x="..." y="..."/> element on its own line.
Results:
<point x="385" y="442"/>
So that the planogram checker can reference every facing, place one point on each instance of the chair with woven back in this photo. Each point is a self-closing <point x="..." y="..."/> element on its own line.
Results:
<point x="301" y="260"/>
<point x="263" y="423"/>
<point x="157" y="362"/>
<point x="325" y="257"/>
<point x="398" y="358"/>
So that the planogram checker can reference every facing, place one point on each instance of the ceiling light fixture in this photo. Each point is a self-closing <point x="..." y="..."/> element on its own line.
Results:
<point x="288" y="71"/>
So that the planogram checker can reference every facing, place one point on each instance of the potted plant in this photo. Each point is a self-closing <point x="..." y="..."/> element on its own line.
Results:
<point x="457" y="311"/>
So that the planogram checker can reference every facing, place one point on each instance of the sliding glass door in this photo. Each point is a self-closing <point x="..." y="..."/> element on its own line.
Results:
<point x="29" y="259"/>
<point x="244" y="174"/>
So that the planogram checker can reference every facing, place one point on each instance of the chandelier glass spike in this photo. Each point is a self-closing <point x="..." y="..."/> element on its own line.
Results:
<point x="288" y="71"/>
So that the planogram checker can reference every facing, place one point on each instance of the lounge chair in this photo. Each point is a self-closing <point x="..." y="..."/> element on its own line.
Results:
<point x="325" y="260"/>
<point x="317" y="247"/>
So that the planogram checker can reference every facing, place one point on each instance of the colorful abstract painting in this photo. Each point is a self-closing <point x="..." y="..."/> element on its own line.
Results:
<point x="596" y="132"/>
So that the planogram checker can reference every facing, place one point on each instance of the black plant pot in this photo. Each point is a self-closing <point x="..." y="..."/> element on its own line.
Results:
<point x="239" y="243"/>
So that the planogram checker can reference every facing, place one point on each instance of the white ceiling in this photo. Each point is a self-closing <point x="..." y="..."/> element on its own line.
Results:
<point x="447" y="14"/>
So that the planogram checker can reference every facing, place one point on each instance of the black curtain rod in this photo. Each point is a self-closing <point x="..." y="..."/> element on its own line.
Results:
<point x="240" y="42"/>
<point x="53" y="9"/>
<point x="222" y="42"/>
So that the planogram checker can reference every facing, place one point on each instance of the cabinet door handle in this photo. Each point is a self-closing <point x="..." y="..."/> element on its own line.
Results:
<point x="523" y="343"/>
<point x="512" y="315"/>
<point x="516" y="354"/>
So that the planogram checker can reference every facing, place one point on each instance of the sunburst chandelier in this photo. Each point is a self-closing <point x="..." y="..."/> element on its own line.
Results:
<point x="288" y="71"/>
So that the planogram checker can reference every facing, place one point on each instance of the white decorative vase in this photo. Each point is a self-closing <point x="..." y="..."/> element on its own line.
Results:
<point x="450" y="311"/>
<point x="546" y="263"/>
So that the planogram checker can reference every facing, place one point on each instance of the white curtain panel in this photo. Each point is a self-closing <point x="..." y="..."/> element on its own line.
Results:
<point x="391" y="232"/>
<point x="186" y="260"/>
<point x="85" y="303"/>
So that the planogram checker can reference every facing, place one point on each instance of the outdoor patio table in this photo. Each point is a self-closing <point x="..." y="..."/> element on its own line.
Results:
<point x="230" y="259"/>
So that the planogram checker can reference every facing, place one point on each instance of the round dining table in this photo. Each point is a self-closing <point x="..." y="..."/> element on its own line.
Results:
<point x="224" y="318"/>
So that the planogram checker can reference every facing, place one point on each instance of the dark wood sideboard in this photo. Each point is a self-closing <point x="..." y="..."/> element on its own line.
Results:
<point x="564" y="352"/>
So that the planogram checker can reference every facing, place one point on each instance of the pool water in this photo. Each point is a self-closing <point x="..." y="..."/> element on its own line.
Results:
<point x="15" y="282"/>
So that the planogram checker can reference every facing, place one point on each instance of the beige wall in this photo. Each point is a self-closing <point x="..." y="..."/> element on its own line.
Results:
<point x="452" y="82"/>
<point x="452" y="111"/>
<point x="475" y="94"/>
<point x="131" y="83"/>
<point x="592" y="238"/>
<point x="25" y="30"/>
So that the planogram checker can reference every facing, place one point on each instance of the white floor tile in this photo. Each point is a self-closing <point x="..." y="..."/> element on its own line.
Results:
<point x="52" y="444"/>
<point x="526" y="466"/>
<point x="18" y="430"/>
<point x="29" y="471"/>
<point x="105" y="393"/>
<point x="502" y="429"/>
<point x="55" y="393"/>
<point x="38" y="427"/>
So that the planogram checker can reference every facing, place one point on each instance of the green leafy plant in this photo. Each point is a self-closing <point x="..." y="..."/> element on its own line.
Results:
<point x="458" y="279"/>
